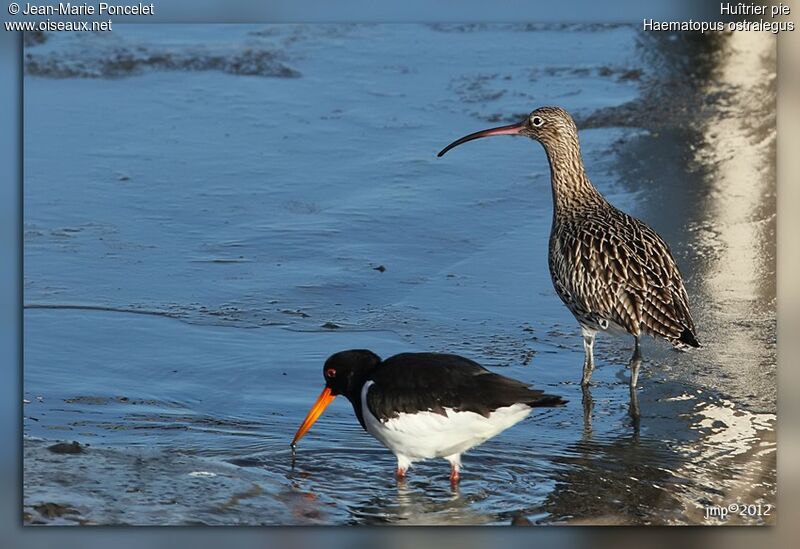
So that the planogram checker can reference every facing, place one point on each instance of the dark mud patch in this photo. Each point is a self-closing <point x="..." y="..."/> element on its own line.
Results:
<point x="621" y="74"/>
<point x="665" y="106"/>
<point x="246" y="462"/>
<point x="675" y="88"/>
<point x="292" y="34"/>
<point x="49" y="512"/>
<point x="100" y="308"/>
<point x="222" y="260"/>
<point x="173" y="422"/>
<point x="674" y="94"/>
<point x="297" y="312"/>
<point x="479" y="88"/>
<point x="526" y="27"/>
<point x="121" y="62"/>
<point x="92" y="400"/>
<point x="33" y="38"/>
<point x="193" y="313"/>
<point x="66" y="448"/>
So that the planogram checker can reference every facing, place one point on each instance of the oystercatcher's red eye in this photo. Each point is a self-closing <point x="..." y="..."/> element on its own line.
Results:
<point x="330" y="372"/>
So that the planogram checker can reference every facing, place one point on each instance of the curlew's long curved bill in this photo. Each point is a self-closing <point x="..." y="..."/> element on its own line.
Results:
<point x="512" y="129"/>
<point x="313" y="415"/>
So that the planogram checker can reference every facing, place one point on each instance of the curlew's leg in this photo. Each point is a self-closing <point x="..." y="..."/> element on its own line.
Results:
<point x="633" y="409"/>
<point x="636" y="361"/>
<point x="588" y="360"/>
<point x="588" y="407"/>
<point x="455" y="467"/>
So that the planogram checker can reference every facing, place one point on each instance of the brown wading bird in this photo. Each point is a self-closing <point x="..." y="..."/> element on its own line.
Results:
<point x="613" y="272"/>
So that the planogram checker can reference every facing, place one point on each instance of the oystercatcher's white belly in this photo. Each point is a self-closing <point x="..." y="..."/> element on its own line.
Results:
<point x="424" y="435"/>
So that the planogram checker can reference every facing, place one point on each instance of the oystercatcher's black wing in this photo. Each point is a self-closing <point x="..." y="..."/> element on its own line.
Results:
<point x="415" y="382"/>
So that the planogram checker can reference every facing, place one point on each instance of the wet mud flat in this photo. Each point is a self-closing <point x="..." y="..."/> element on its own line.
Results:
<point x="186" y="277"/>
<point x="133" y="483"/>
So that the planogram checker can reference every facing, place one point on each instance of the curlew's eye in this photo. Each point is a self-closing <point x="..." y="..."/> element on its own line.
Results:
<point x="330" y="372"/>
<point x="537" y="121"/>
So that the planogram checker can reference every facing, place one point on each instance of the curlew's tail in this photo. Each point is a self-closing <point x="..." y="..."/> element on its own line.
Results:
<point x="688" y="339"/>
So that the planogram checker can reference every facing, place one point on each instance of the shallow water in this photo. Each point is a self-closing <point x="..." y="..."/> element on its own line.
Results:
<point x="205" y="215"/>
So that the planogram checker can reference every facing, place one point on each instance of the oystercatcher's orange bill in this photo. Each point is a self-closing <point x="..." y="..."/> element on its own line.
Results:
<point x="313" y="415"/>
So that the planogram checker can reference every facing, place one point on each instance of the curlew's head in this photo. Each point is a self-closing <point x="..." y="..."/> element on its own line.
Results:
<point x="553" y="127"/>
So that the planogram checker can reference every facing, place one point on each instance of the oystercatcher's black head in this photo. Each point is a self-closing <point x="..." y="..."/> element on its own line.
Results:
<point x="548" y="125"/>
<point x="345" y="373"/>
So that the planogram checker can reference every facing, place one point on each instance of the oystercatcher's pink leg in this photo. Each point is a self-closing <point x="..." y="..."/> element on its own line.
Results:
<point x="454" y="476"/>
<point x="455" y="467"/>
<point x="403" y="463"/>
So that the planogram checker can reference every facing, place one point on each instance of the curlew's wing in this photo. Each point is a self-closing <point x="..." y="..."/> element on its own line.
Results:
<point x="617" y="268"/>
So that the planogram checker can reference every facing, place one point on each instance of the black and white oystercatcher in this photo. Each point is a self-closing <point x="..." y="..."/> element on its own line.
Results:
<point x="611" y="270"/>
<point x="425" y="405"/>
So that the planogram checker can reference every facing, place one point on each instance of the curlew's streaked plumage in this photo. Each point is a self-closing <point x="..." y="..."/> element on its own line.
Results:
<point x="612" y="271"/>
